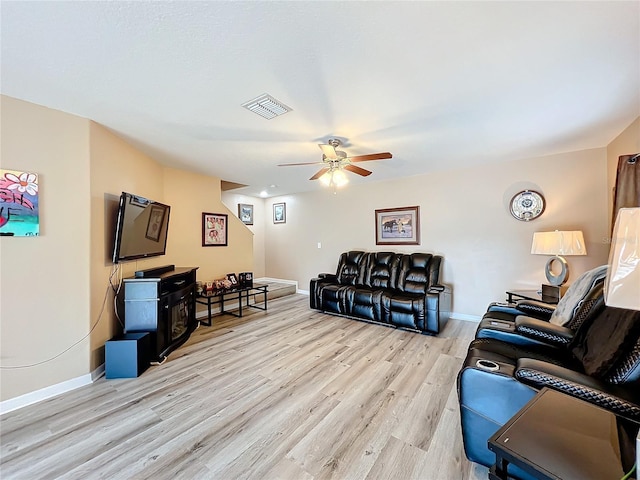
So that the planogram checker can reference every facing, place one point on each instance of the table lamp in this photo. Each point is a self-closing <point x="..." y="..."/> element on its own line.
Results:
<point x="558" y="244"/>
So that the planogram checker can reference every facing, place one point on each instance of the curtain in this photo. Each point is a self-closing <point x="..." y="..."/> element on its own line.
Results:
<point x="627" y="190"/>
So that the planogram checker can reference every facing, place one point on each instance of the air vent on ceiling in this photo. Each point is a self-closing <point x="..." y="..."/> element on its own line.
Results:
<point x="266" y="106"/>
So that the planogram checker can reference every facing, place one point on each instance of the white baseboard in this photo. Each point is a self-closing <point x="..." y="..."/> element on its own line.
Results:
<point x="97" y="373"/>
<point x="51" y="391"/>
<point x="465" y="317"/>
<point x="280" y="280"/>
<point x="277" y="280"/>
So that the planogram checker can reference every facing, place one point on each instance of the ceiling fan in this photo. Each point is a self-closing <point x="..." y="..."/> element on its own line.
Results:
<point x="335" y="161"/>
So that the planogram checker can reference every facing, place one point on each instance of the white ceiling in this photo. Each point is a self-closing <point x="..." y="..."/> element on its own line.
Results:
<point x="439" y="84"/>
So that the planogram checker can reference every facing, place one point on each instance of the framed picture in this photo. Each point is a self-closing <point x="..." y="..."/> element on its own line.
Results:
<point x="19" y="204"/>
<point x="279" y="213"/>
<point x="154" y="225"/>
<point x="214" y="229"/>
<point x="398" y="226"/>
<point x="233" y="279"/>
<point x="245" y="213"/>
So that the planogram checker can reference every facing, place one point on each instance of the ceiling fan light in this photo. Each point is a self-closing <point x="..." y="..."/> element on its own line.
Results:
<point x="334" y="178"/>
<point x="339" y="178"/>
<point x="326" y="179"/>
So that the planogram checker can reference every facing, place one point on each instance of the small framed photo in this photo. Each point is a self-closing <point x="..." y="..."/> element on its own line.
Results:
<point x="279" y="213"/>
<point x="154" y="225"/>
<point x="233" y="279"/>
<point x="398" y="226"/>
<point x="214" y="229"/>
<point x="245" y="213"/>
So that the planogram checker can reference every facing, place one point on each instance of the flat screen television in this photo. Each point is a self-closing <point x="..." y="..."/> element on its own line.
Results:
<point x="141" y="228"/>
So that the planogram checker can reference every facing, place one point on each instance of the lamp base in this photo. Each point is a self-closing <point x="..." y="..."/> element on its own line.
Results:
<point x="562" y="277"/>
<point x="553" y="292"/>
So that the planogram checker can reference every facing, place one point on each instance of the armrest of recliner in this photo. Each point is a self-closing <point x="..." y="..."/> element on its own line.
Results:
<point x="543" y="330"/>
<point x="614" y="398"/>
<point x="331" y="277"/>
<point x="315" y="288"/>
<point x="438" y="306"/>
<point x="502" y="308"/>
<point x="536" y="309"/>
<point x="437" y="289"/>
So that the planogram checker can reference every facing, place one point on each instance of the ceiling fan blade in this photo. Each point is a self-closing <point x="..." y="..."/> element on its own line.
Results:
<point x="303" y="163"/>
<point x="372" y="156"/>
<point x="319" y="174"/>
<point x="329" y="151"/>
<point x="358" y="170"/>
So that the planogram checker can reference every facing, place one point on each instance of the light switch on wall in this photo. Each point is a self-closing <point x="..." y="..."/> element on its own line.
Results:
<point x="319" y="245"/>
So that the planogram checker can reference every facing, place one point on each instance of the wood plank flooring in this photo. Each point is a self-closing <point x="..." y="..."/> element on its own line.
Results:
<point x="285" y="394"/>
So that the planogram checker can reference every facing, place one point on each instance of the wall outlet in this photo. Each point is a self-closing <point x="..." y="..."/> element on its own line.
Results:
<point x="319" y="245"/>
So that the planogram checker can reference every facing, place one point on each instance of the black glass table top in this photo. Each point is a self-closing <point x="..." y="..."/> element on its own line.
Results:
<point x="229" y="291"/>
<point x="568" y="438"/>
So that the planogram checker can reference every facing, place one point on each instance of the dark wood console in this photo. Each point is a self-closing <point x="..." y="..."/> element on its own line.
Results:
<point x="162" y="304"/>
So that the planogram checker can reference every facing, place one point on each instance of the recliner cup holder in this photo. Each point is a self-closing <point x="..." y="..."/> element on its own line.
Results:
<point x="488" y="365"/>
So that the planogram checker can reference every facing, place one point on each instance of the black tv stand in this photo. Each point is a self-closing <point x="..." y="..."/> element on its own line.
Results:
<point x="162" y="304"/>
<point x="154" y="272"/>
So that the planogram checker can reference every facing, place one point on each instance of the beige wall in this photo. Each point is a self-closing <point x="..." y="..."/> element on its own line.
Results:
<point x="189" y="195"/>
<point x="464" y="216"/>
<point x="44" y="281"/>
<point x="54" y="288"/>
<point x="231" y="200"/>
<point x="115" y="167"/>
<point x="626" y="143"/>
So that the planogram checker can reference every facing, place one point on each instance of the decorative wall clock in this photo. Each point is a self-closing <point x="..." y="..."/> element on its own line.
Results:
<point x="527" y="205"/>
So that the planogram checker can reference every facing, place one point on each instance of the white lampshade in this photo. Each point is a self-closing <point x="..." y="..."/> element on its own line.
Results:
<point x="622" y="285"/>
<point x="558" y="243"/>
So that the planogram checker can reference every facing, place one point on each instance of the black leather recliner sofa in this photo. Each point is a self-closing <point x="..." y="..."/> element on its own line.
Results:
<point x="600" y="365"/>
<point x="393" y="289"/>
<point x="528" y="322"/>
<point x="526" y="330"/>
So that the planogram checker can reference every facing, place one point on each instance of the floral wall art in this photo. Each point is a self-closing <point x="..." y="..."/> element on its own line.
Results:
<point x="19" y="210"/>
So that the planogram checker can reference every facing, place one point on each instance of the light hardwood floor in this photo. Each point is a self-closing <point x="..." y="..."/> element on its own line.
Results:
<point x="286" y="394"/>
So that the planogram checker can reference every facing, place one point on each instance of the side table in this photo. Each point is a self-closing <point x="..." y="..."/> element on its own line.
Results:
<point x="218" y="297"/>
<point x="513" y="295"/>
<point x="559" y="437"/>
